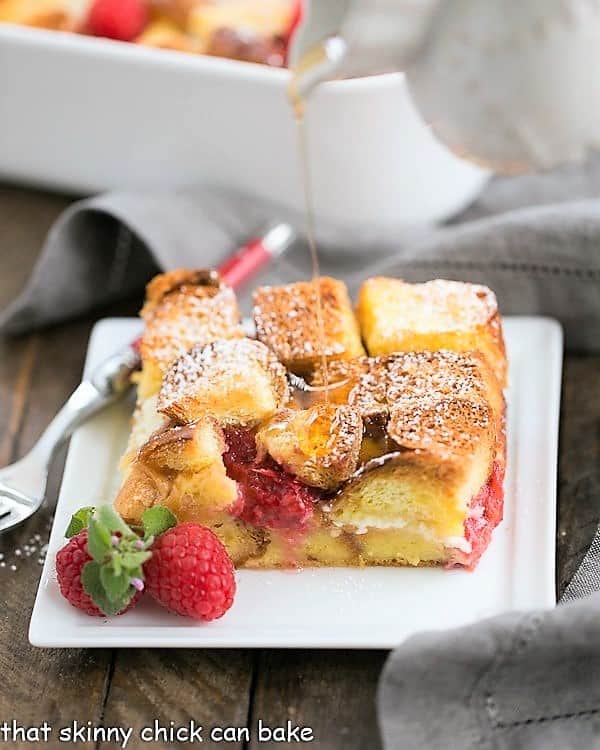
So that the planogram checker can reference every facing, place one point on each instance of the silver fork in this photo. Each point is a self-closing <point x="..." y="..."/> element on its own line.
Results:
<point x="23" y="484"/>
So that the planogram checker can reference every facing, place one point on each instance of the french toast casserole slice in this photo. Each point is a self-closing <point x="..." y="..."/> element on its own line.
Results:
<point x="297" y="449"/>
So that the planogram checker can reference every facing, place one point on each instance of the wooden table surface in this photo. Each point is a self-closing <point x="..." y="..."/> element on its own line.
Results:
<point x="331" y="691"/>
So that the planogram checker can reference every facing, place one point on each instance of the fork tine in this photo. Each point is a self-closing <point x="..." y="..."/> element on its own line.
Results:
<point x="15" y="507"/>
<point x="12" y="515"/>
<point x="9" y="496"/>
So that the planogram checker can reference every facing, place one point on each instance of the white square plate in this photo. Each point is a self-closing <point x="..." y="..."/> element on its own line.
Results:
<point x="337" y="607"/>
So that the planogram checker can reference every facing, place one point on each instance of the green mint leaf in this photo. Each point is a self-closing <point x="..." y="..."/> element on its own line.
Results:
<point x="79" y="521"/>
<point x="157" y="520"/>
<point x="115" y="585"/>
<point x="91" y="580"/>
<point x="112" y="520"/>
<point x="99" y="542"/>
<point x="133" y="560"/>
<point x="116" y="563"/>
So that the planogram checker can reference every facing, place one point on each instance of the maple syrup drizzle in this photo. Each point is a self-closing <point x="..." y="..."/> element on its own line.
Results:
<point x="298" y="107"/>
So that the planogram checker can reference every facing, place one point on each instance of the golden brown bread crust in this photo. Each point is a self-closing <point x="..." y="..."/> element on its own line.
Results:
<point x="444" y="428"/>
<point x="164" y="33"/>
<point x="190" y="447"/>
<point x="409" y="488"/>
<point x="396" y="316"/>
<point x="183" y="308"/>
<point x="436" y="445"/>
<point x="44" y="14"/>
<point x="265" y="19"/>
<point x="176" y="467"/>
<point x="286" y="320"/>
<point x="238" y="381"/>
<point x="320" y="445"/>
<point x="179" y="279"/>
<point x="373" y="385"/>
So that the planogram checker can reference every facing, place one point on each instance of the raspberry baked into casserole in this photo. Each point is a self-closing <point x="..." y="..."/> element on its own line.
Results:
<point x="251" y="30"/>
<point x="377" y="438"/>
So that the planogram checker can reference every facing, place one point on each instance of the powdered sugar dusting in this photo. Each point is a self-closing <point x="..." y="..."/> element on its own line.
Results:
<point x="219" y="360"/>
<point x="374" y="385"/>
<point x="189" y="315"/>
<point x="438" y="424"/>
<point x="437" y="305"/>
<point x="286" y="321"/>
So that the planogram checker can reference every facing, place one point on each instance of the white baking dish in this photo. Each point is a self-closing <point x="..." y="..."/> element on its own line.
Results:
<point x="83" y="114"/>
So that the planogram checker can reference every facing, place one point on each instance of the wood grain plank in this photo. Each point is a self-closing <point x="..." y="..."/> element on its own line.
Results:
<point x="333" y="692"/>
<point x="24" y="220"/>
<point x="210" y="687"/>
<point x="579" y="464"/>
<point x="49" y="684"/>
<point x="36" y="375"/>
<point x="17" y="360"/>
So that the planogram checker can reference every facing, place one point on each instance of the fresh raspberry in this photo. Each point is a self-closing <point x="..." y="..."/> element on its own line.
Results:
<point x="69" y="564"/>
<point x="271" y="498"/>
<point x="118" y="19"/>
<point x="191" y="573"/>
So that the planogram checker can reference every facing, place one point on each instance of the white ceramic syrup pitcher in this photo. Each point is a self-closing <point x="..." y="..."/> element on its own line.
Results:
<point x="511" y="84"/>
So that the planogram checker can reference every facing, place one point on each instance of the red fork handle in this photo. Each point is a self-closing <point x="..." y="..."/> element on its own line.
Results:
<point x="254" y="255"/>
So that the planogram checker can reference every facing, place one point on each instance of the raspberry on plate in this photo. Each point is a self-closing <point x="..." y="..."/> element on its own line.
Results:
<point x="123" y="20"/>
<point x="99" y="570"/>
<point x="70" y="561"/>
<point x="191" y="573"/>
<point x="69" y="564"/>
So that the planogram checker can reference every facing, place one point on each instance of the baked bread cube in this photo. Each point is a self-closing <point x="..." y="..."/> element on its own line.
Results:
<point x="466" y="376"/>
<point x="146" y="420"/>
<point x="237" y="381"/>
<point x="184" y="448"/>
<point x="320" y="445"/>
<point x="445" y="455"/>
<point x="164" y="33"/>
<point x="416" y="376"/>
<point x="429" y="465"/>
<point x="183" y="308"/>
<point x="44" y="14"/>
<point x="287" y="321"/>
<point x="266" y="18"/>
<point x="182" y="468"/>
<point x="395" y="316"/>
<point x="373" y="385"/>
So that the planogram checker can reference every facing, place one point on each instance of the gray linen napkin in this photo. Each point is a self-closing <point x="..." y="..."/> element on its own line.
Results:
<point x="516" y="681"/>
<point x="534" y="240"/>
